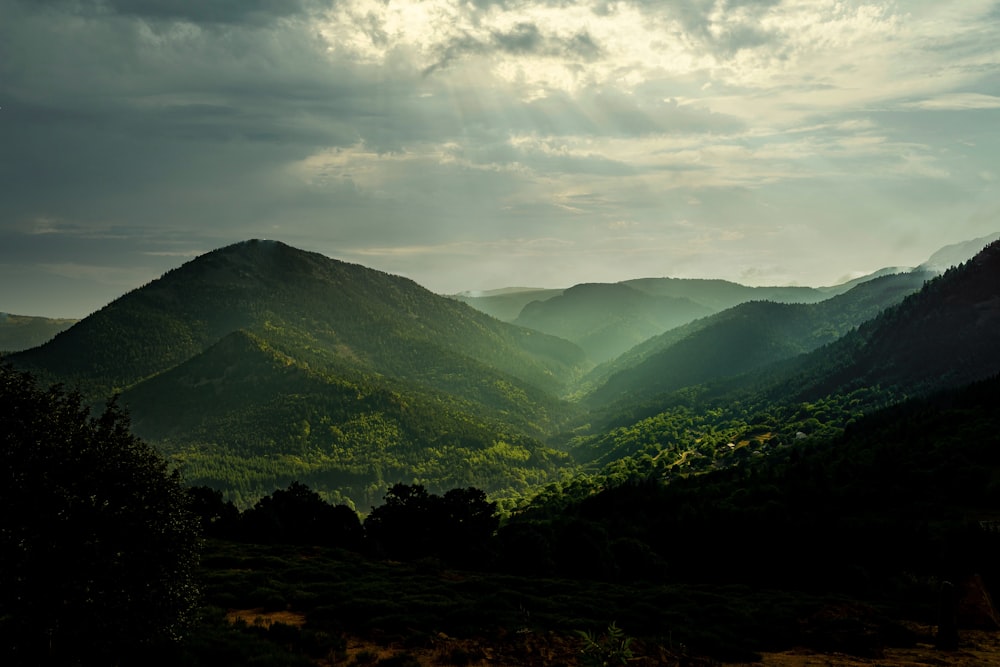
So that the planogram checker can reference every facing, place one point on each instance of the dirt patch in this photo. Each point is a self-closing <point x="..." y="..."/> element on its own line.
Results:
<point x="266" y="618"/>
<point x="976" y="649"/>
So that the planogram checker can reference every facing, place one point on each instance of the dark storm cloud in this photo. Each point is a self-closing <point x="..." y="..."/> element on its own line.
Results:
<point x="523" y="39"/>
<point x="102" y="121"/>
<point x="193" y="11"/>
<point x="717" y="32"/>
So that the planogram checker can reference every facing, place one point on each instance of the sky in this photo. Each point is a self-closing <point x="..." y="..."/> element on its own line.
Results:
<point x="479" y="144"/>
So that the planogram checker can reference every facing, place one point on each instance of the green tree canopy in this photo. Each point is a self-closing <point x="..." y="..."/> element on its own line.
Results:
<point x="97" y="544"/>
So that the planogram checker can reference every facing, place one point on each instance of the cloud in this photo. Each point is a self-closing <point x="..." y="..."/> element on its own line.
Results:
<point x="207" y="12"/>
<point x="957" y="102"/>
<point x="476" y="127"/>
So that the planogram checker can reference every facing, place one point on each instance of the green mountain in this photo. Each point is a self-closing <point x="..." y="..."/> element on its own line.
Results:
<point x="247" y="418"/>
<point x="239" y="351"/>
<point x="939" y="337"/>
<point x="607" y="319"/>
<point x="21" y="332"/>
<point x="942" y="336"/>
<point x="743" y="338"/>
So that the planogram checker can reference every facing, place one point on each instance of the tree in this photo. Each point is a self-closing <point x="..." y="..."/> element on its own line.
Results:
<point x="97" y="544"/>
<point x="298" y="515"/>
<point x="414" y="523"/>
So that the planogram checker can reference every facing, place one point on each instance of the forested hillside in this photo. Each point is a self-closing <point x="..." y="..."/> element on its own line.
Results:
<point x="246" y="418"/>
<point x="259" y="363"/>
<point x="941" y="336"/>
<point x="743" y="338"/>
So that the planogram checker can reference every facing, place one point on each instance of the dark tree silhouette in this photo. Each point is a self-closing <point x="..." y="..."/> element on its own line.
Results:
<point x="298" y="515"/>
<point x="219" y="518"/>
<point x="414" y="523"/>
<point x="96" y="542"/>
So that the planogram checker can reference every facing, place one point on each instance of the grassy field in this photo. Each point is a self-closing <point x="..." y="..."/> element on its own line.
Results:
<point x="285" y="605"/>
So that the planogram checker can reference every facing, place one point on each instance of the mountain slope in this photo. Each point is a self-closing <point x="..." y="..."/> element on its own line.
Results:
<point x="327" y="312"/>
<point x="940" y="337"/>
<point x="943" y="336"/>
<point x="743" y="338"/>
<point x="607" y="319"/>
<point x="245" y="417"/>
<point x="259" y="363"/>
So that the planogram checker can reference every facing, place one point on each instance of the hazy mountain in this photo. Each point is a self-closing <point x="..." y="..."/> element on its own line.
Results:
<point x="740" y="339"/>
<point x="506" y="303"/>
<point x="833" y="290"/>
<point x="21" y="332"/>
<point x="955" y="254"/>
<point x="722" y="294"/>
<point x="607" y="319"/>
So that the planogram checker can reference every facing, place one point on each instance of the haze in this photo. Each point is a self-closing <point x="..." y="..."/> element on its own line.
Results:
<point x="473" y="145"/>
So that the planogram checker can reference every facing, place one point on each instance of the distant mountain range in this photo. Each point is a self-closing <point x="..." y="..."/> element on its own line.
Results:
<point x="21" y="332"/>
<point x="258" y="364"/>
<point x="743" y="338"/>
<point x="608" y="319"/>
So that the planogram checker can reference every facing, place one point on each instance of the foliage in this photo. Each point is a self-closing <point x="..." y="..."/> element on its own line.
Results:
<point x="910" y="482"/>
<point x="297" y="515"/>
<point x="612" y="647"/>
<point x="412" y="523"/>
<point x="97" y="543"/>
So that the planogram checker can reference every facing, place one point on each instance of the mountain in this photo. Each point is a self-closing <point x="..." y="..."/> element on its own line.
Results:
<point x="330" y="312"/>
<point x="957" y="253"/>
<point x="607" y="319"/>
<point x="743" y="338"/>
<point x="943" y="336"/>
<point x="259" y="341"/>
<point x="722" y="294"/>
<point x="21" y="332"/>
<point x="833" y="290"/>
<point x="247" y="418"/>
<point x="506" y="303"/>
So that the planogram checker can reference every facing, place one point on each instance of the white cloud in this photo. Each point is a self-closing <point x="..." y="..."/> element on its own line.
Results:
<point x="957" y="102"/>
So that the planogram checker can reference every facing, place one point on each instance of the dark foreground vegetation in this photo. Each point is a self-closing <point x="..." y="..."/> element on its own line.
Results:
<point x="833" y="545"/>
